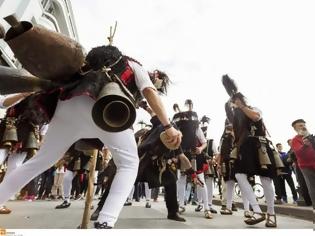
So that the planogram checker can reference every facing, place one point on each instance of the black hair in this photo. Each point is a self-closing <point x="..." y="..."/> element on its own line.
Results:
<point x="102" y="56"/>
<point x="165" y="80"/>
<point x="298" y="121"/>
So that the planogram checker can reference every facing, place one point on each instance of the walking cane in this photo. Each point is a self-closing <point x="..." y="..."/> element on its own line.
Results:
<point x="90" y="191"/>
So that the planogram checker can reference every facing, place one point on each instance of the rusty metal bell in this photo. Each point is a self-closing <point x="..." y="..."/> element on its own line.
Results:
<point x="113" y="110"/>
<point x="32" y="141"/>
<point x="44" y="53"/>
<point x="10" y="134"/>
<point x="19" y="81"/>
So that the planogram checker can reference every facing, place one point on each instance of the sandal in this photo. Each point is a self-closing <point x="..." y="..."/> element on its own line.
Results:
<point x="208" y="214"/>
<point x="270" y="222"/>
<point x="226" y="212"/>
<point x="247" y="214"/>
<point x="255" y="218"/>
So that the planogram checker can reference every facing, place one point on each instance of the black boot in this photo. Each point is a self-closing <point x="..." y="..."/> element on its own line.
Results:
<point x="175" y="216"/>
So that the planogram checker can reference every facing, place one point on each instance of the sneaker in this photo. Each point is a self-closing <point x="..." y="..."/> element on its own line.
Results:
<point x="198" y="208"/>
<point x="65" y="204"/>
<point x="98" y="225"/>
<point x="148" y="205"/>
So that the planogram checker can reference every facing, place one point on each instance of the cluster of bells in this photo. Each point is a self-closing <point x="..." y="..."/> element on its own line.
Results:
<point x="10" y="137"/>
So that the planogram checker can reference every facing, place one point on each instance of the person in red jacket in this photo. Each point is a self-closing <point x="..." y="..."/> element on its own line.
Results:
<point x="305" y="154"/>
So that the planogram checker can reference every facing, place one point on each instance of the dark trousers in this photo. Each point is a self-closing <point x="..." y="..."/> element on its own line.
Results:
<point x="155" y="193"/>
<point x="278" y="187"/>
<point x="171" y="198"/>
<point x="76" y="185"/>
<point x="47" y="181"/>
<point x="288" y="178"/>
<point x="302" y="184"/>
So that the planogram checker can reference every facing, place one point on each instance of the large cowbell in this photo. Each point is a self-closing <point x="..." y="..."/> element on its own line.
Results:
<point x="113" y="110"/>
<point x="18" y="81"/>
<point x="44" y="53"/>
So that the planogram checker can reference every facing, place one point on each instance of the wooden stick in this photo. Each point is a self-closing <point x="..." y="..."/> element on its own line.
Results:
<point x="90" y="191"/>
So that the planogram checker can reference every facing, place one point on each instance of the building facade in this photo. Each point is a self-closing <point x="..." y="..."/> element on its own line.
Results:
<point x="55" y="15"/>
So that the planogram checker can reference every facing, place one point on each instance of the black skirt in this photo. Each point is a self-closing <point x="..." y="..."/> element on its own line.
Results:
<point x="229" y="173"/>
<point x="248" y="159"/>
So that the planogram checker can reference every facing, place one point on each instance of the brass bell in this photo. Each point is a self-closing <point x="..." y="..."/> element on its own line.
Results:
<point x="113" y="110"/>
<point x="194" y="163"/>
<point x="263" y="157"/>
<point x="32" y="141"/>
<point x="278" y="161"/>
<point x="10" y="134"/>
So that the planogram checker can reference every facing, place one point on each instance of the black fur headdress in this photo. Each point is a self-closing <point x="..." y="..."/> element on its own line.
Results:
<point x="229" y="85"/>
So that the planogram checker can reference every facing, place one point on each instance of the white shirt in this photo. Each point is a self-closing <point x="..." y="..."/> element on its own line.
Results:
<point x="141" y="77"/>
<point x="4" y="97"/>
<point x="214" y="148"/>
<point x="44" y="129"/>
<point x="200" y="135"/>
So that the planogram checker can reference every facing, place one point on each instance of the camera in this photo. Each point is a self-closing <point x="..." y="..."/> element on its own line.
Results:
<point x="311" y="138"/>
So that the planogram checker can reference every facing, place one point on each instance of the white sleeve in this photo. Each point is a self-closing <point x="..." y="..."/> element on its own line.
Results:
<point x="201" y="137"/>
<point x="4" y="97"/>
<point x="141" y="77"/>
<point x="214" y="148"/>
<point x="44" y="129"/>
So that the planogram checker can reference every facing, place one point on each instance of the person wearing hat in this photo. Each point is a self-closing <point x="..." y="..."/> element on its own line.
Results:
<point x="305" y="155"/>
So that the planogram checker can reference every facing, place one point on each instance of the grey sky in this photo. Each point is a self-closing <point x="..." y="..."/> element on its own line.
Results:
<point x="267" y="47"/>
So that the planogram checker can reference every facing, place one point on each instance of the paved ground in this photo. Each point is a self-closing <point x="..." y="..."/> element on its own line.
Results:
<point x="42" y="215"/>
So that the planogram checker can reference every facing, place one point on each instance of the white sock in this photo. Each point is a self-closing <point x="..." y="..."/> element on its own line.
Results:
<point x="269" y="194"/>
<point x="247" y="191"/>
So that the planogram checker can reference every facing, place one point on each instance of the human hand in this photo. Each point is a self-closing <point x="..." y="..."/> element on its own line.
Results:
<point x="173" y="137"/>
<point x="306" y="141"/>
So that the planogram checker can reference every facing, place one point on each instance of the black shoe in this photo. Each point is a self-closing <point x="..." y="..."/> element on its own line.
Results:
<point x="175" y="217"/>
<point x="212" y="210"/>
<point x="127" y="204"/>
<point x="147" y="205"/>
<point x="95" y="214"/>
<point x="223" y="207"/>
<point x="198" y="208"/>
<point x="65" y="204"/>
<point x="234" y="208"/>
<point x="98" y="225"/>
<point x="194" y="203"/>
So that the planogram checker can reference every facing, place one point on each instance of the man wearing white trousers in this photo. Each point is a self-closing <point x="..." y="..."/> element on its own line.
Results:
<point x="72" y="121"/>
<point x="14" y="160"/>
